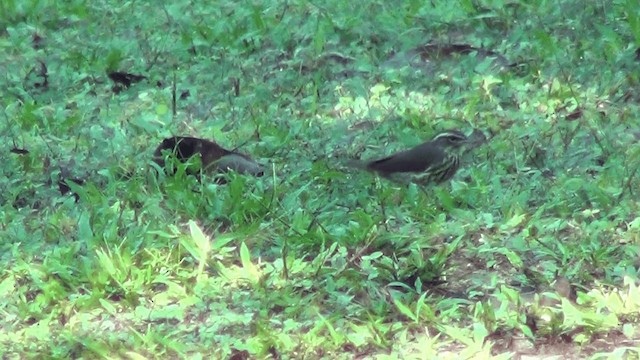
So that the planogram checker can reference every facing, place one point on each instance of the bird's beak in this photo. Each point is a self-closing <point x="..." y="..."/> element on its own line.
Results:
<point x="476" y="139"/>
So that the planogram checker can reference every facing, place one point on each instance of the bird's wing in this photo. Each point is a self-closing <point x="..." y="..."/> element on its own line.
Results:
<point x="239" y="163"/>
<point x="417" y="159"/>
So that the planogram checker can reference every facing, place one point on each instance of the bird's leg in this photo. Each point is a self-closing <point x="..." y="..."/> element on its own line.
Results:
<point x="382" y="199"/>
<point x="424" y="191"/>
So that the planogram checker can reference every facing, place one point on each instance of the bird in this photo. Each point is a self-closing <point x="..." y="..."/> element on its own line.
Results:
<point x="432" y="162"/>
<point x="214" y="158"/>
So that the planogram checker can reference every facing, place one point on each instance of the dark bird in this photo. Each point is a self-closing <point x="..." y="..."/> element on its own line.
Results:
<point x="214" y="158"/>
<point x="125" y="79"/>
<point x="432" y="162"/>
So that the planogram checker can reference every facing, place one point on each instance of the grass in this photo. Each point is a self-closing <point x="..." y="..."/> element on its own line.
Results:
<point x="532" y="249"/>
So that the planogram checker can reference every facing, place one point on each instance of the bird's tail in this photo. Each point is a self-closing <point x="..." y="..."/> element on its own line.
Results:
<point x="356" y="164"/>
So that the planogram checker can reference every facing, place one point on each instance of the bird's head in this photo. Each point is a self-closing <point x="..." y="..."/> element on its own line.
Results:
<point x="457" y="141"/>
<point x="450" y="140"/>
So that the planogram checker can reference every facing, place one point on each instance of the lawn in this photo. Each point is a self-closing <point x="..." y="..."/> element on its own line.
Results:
<point x="531" y="250"/>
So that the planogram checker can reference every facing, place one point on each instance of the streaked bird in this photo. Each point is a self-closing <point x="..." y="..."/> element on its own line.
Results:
<point x="432" y="162"/>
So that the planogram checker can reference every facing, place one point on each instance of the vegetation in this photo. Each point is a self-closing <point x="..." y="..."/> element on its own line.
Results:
<point x="531" y="249"/>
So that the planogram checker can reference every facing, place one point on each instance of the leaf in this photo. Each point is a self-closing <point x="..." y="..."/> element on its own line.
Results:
<point x="245" y="256"/>
<point x="85" y="234"/>
<point x="405" y="310"/>
<point x="320" y="36"/>
<point x="106" y="262"/>
<point x="574" y="184"/>
<point x="202" y="242"/>
<point x="162" y="109"/>
<point x="479" y="333"/>
<point x="250" y="270"/>
<point x="108" y="306"/>
<point x="113" y="59"/>
<point x="420" y="304"/>
<point x="633" y="18"/>
<point x="135" y="356"/>
<point x="7" y="286"/>
<point x="628" y="330"/>
<point x="514" y="222"/>
<point x="220" y="241"/>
